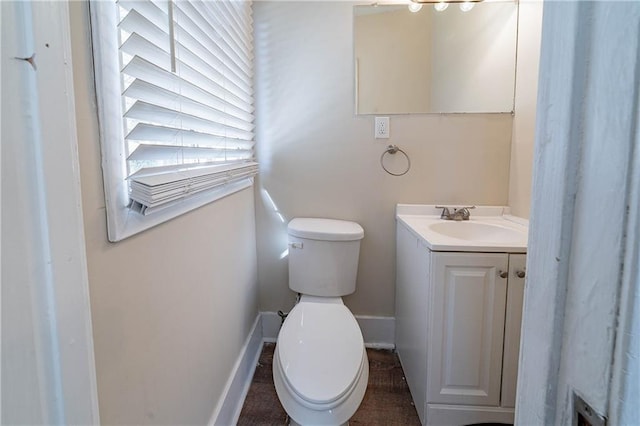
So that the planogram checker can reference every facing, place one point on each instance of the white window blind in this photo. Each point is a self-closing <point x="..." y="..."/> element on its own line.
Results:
<point x="175" y="102"/>
<point x="187" y="96"/>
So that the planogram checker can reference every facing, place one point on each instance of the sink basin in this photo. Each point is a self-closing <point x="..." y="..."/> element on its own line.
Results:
<point x="476" y="231"/>
<point x="489" y="230"/>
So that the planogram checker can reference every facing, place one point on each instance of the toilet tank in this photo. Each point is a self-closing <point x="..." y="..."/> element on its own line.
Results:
<point x="323" y="256"/>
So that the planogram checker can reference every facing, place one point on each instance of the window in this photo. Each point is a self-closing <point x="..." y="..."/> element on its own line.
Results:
<point x="175" y="104"/>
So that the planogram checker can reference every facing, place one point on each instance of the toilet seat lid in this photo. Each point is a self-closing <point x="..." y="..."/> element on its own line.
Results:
<point x="325" y="229"/>
<point x="320" y="348"/>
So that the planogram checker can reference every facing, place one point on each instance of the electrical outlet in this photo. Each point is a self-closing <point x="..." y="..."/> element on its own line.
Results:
<point x="381" y="129"/>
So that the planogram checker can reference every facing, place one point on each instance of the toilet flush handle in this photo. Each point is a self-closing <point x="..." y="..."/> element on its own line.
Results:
<point x="296" y="245"/>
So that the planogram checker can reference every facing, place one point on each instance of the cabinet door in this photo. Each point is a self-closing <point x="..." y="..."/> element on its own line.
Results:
<point x="467" y="328"/>
<point x="513" y="323"/>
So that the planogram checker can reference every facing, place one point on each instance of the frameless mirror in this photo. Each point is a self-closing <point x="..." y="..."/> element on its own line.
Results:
<point x="433" y="61"/>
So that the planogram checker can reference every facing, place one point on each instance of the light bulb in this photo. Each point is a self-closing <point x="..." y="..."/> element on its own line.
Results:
<point x="466" y="6"/>
<point x="415" y="7"/>
<point x="441" y="7"/>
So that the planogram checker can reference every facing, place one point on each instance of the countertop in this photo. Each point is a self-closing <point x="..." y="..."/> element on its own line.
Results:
<point x="510" y="236"/>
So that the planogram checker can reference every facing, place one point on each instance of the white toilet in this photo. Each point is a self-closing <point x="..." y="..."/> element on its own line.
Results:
<point x="320" y="366"/>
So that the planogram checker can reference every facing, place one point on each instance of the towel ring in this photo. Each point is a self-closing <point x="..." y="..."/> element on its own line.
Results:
<point x="392" y="149"/>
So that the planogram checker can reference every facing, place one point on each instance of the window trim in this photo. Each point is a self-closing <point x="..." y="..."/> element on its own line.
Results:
<point x="122" y="222"/>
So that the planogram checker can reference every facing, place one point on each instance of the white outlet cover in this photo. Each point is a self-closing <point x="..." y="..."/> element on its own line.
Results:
<point x="381" y="129"/>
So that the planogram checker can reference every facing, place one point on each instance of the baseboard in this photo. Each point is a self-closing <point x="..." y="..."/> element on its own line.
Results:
<point x="230" y="404"/>
<point x="450" y="415"/>
<point x="378" y="332"/>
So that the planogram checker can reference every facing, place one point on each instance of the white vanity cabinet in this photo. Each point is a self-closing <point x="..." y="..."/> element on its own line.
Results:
<point x="458" y="318"/>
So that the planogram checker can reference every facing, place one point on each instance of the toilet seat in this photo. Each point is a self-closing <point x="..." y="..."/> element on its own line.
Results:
<point x="320" y="351"/>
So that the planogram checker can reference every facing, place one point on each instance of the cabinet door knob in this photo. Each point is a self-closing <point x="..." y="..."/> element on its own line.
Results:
<point x="520" y="274"/>
<point x="503" y="274"/>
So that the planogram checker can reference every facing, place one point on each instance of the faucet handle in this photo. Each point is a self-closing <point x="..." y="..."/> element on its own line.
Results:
<point x="446" y="214"/>
<point x="463" y="212"/>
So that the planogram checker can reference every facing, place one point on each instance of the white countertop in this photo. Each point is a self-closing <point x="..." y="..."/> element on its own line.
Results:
<point x="497" y="231"/>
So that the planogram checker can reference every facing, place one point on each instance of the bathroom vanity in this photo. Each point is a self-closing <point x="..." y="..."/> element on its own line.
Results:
<point x="459" y="291"/>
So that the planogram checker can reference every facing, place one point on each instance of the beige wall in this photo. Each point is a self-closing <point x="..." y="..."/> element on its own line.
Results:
<point x="171" y="307"/>
<point x="319" y="159"/>
<point x="529" y="34"/>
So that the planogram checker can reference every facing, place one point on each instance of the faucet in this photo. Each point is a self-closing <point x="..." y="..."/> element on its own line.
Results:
<point x="460" y="213"/>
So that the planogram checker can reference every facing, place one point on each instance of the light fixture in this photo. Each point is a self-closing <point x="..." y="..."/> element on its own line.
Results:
<point x="441" y="6"/>
<point x="466" y="6"/>
<point x="434" y="2"/>
<point x="415" y="7"/>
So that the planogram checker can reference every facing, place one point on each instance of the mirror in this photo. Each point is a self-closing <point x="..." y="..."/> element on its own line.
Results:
<point x="435" y="62"/>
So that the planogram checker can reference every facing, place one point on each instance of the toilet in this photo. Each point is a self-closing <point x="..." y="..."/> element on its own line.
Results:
<point x="320" y="365"/>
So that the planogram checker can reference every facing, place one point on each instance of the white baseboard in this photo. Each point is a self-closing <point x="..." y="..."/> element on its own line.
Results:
<point x="378" y="332"/>
<point x="230" y="404"/>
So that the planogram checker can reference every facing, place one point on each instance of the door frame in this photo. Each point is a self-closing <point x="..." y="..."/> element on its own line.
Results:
<point x="568" y="36"/>
<point x="51" y="209"/>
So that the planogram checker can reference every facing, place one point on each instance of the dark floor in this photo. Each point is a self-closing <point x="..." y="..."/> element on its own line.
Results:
<point x="386" y="402"/>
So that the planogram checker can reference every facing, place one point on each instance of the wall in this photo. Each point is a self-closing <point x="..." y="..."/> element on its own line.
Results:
<point x="524" y="121"/>
<point x="319" y="159"/>
<point x="171" y="306"/>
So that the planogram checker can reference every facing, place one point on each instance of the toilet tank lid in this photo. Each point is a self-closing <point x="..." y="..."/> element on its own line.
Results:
<point x="325" y="229"/>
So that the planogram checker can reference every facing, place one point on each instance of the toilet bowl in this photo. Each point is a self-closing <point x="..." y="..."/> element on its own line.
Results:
<point x="320" y="366"/>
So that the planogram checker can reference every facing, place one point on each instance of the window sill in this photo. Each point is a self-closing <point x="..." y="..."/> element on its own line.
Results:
<point x="124" y="222"/>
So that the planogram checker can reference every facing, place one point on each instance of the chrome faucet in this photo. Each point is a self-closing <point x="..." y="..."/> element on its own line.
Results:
<point x="460" y="213"/>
